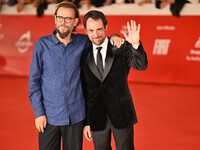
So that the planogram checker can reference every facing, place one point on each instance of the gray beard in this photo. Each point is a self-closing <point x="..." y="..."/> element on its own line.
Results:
<point x="62" y="35"/>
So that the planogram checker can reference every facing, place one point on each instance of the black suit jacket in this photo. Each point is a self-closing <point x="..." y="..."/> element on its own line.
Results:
<point x="110" y="95"/>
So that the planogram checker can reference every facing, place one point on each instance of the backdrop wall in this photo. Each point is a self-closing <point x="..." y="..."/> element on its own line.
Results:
<point x="172" y="44"/>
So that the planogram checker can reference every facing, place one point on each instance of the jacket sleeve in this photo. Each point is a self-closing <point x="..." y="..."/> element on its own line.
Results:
<point x="136" y="58"/>
<point x="35" y="93"/>
<point x="83" y="57"/>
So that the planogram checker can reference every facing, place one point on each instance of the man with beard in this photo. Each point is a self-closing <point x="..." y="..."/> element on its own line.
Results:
<point x="55" y="90"/>
<point x="105" y="70"/>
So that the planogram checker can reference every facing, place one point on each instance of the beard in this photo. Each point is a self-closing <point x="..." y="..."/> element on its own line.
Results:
<point x="63" y="34"/>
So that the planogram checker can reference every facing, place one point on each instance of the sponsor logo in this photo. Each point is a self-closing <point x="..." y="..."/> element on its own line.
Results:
<point x="161" y="46"/>
<point x="197" y="45"/>
<point x="24" y="42"/>
<point x="194" y="54"/>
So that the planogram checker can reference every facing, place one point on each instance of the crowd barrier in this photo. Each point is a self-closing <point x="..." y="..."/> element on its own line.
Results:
<point x="172" y="43"/>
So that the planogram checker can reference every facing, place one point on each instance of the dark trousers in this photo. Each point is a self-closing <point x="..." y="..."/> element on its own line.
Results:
<point x="123" y="138"/>
<point x="72" y="137"/>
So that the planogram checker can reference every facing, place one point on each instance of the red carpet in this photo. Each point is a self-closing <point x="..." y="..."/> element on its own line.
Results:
<point x="169" y="116"/>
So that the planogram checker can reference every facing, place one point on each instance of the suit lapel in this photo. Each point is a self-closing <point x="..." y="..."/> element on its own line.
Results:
<point x="91" y="63"/>
<point x="109" y="59"/>
<point x="108" y="62"/>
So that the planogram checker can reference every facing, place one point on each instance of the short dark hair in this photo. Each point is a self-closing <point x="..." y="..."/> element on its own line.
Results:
<point x="95" y="14"/>
<point x="69" y="5"/>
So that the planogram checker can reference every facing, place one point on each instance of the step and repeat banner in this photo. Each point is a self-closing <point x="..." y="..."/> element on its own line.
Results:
<point x="172" y="44"/>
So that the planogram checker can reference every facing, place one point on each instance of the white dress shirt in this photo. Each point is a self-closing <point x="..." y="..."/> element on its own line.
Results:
<point x="103" y="51"/>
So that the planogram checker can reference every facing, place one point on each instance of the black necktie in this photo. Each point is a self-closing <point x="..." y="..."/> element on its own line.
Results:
<point x="99" y="61"/>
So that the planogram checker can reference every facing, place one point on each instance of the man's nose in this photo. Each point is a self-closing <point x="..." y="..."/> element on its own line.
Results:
<point x="95" y="34"/>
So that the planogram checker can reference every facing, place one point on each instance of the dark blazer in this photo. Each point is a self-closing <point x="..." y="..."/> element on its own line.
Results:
<point x="110" y="95"/>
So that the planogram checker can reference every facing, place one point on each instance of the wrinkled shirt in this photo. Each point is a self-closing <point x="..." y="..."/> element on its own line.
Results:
<point x="54" y="80"/>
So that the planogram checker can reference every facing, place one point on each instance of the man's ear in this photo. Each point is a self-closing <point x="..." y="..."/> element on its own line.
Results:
<point x="55" y="18"/>
<point x="76" y="21"/>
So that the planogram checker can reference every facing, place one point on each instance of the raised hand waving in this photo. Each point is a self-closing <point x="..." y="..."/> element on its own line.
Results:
<point x="133" y="35"/>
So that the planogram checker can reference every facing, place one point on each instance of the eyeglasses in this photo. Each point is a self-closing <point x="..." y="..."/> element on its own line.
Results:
<point x="66" y="19"/>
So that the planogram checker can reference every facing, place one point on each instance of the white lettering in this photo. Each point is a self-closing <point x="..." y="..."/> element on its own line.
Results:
<point x="192" y="58"/>
<point x="165" y="27"/>
<point x="194" y="52"/>
<point x="161" y="46"/>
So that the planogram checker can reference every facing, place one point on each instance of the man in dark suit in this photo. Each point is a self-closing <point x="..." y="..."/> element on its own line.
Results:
<point x="109" y="106"/>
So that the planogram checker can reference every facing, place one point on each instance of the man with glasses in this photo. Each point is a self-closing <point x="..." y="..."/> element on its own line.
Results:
<point x="55" y="90"/>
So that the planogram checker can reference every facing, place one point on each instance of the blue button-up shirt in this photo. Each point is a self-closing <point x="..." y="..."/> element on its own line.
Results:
<point x="54" y="81"/>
